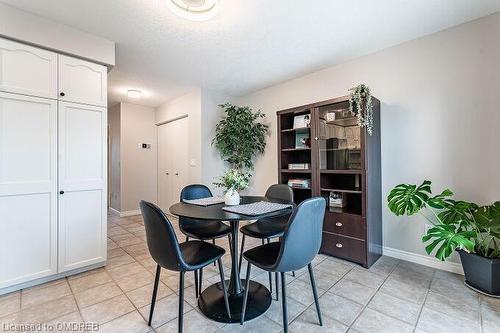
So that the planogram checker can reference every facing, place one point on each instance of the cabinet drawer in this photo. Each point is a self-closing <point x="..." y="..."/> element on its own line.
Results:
<point x="344" y="247"/>
<point x="345" y="224"/>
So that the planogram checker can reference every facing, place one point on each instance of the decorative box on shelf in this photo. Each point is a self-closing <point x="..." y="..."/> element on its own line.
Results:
<point x="299" y="183"/>
<point x="299" y="166"/>
<point x="337" y="199"/>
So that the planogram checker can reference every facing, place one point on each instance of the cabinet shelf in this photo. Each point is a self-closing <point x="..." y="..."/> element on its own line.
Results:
<point x="343" y="190"/>
<point x="296" y="170"/>
<point x="342" y="210"/>
<point x="299" y="129"/>
<point x="301" y="188"/>
<point x="295" y="149"/>
<point x="342" y="172"/>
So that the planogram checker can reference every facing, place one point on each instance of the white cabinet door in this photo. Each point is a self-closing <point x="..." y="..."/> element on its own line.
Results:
<point x="82" y="185"/>
<point x="27" y="70"/>
<point x="81" y="81"/>
<point x="180" y="159"/>
<point x="28" y="185"/>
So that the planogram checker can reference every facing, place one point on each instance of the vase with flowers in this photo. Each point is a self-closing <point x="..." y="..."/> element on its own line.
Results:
<point x="233" y="181"/>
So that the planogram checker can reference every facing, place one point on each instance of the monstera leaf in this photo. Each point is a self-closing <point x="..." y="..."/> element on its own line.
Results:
<point x="449" y="239"/>
<point x="408" y="199"/>
<point x="488" y="219"/>
<point x="457" y="212"/>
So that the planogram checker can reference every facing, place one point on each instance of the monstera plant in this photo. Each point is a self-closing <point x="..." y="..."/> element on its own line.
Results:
<point x="456" y="225"/>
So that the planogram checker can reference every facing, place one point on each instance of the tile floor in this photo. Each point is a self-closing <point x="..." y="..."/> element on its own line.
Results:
<point x="392" y="296"/>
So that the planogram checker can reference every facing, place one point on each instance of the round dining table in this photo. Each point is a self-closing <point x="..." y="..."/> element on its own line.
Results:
<point x="211" y="300"/>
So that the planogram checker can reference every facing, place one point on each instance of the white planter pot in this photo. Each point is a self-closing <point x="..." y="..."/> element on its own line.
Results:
<point x="232" y="198"/>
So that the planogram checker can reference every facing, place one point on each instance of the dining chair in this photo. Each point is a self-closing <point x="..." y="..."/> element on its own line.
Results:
<point x="202" y="230"/>
<point x="299" y="245"/>
<point x="271" y="227"/>
<point x="169" y="254"/>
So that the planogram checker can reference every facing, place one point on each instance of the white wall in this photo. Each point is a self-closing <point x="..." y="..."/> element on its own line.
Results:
<point x="114" y="174"/>
<point x="190" y="105"/>
<point x="133" y="169"/>
<point x="440" y="116"/>
<point x="138" y="165"/>
<point x="29" y="28"/>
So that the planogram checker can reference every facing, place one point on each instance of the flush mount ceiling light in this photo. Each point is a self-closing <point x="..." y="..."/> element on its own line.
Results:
<point x="135" y="94"/>
<point x="194" y="10"/>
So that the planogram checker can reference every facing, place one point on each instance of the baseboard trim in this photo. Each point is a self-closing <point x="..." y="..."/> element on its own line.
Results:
<point x="53" y="277"/>
<point x="424" y="260"/>
<point x="125" y="213"/>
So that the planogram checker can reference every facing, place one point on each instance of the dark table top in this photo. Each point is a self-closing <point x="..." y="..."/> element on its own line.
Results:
<point x="215" y="212"/>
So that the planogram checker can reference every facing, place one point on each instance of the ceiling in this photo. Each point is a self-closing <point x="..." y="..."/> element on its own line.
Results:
<point x="250" y="44"/>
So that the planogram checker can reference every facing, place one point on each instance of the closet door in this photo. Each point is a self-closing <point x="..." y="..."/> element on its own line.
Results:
<point x="165" y="172"/>
<point x="81" y="81"/>
<point x="28" y="185"/>
<point x="27" y="70"/>
<point x="82" y="185"/>
<point x="180" y="162"/>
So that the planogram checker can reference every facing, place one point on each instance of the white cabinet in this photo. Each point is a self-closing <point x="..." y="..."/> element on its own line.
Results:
<point x="27" y="70"/>
<point x="81" y="81"/>
<point x="28" y="185"/>
<point x="82" y="185"/>
<point x="48" y="145"/>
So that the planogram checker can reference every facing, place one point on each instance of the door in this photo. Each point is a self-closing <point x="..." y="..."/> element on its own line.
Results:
<point x="28" y="185"/>
<point x="82" y="185"/>
<point x="173" y="169"/>
<point x="81" y="81"/>
<point x="27" y="70"/>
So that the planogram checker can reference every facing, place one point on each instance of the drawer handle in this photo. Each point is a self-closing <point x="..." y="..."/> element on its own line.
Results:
<point x="62" y="94"/>
<point x="338" y="224"/>
<point x="338" y="245"/>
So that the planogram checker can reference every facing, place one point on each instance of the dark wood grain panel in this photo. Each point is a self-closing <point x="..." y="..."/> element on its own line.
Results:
<point x="345" y="224"/>
<point x="344" y="247"/>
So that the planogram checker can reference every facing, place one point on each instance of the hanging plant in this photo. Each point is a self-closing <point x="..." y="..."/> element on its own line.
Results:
<point x="361" y="97"/>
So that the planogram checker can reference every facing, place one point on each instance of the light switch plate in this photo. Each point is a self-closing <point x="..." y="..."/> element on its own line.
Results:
<point x="192" y="162"/>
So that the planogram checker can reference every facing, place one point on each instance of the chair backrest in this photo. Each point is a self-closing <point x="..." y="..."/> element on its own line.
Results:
<point x="302" y="239"/>
<point x="192" y="192"/>
<point x="162" y="241"/>
<point x="280" y="192"/>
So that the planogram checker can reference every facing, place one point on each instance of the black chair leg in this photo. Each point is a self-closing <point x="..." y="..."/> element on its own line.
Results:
<point x="155" y="291"/>
<point x="200" y="280"/>
<point x="241" y="252"/>
<point x="213" y="242"/>
<point x="270" y="275"/>
<point x="224" y="289"/>
<point x="230" y="246"/>
<point x="316" y="301"/>
<point x="181" y="302"/>
<point x="196" y="283"/>
<point x="293" y="273"/>
<point x="283" y="302"/>
<point x="245" y="297"/>
<point x="277" y="284"/>
<point x="187" y="238"/>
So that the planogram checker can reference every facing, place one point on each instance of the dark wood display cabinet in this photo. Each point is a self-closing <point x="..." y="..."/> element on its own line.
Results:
<point x="323" y="152"/>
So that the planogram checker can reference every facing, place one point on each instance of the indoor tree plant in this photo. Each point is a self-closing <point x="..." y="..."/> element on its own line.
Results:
<point x="470" y="229"/>
<point x="240" y="136"/>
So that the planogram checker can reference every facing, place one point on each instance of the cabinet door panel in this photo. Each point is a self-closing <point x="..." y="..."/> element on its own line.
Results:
<point x="81" y="81"/>
<point x="82" y="177"/>
<point x="27" y="70"/>
<point x="28" y="184"/>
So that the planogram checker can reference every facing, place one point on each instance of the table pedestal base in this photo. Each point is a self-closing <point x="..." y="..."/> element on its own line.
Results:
<point x="211" y="302"/>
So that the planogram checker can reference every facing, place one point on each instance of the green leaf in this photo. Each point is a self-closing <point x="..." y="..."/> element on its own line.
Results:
<point x="408" y="199"/>
<point x="449" y="239"/>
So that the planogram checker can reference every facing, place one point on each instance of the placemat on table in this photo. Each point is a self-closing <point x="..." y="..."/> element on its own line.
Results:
<point x="256" y="208"/>
<point x="205" y="201"/>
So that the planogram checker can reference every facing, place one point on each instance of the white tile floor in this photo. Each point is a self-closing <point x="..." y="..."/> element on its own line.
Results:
<point x="392" y="296"/>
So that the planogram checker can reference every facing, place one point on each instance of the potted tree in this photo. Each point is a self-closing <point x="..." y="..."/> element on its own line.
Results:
<point x="240" y="136"/>
<point x="470" y="229"/>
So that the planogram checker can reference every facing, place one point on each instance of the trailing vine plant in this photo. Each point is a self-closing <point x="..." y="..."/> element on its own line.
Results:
<point x="361" y="97"/>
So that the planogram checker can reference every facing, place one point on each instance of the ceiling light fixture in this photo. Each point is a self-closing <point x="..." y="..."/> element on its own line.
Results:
<point x="194" y="10"/>
<point x="135" y="94"/>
